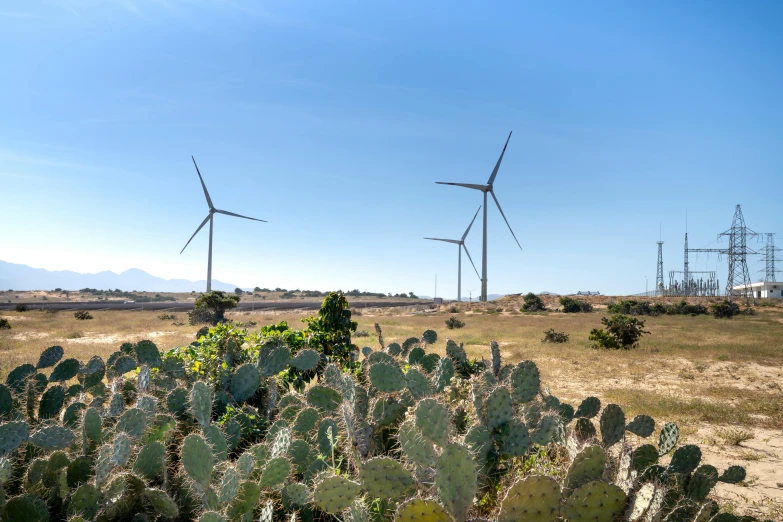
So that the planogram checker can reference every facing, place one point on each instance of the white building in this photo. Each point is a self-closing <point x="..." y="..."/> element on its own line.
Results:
<point x="765" y="289"/>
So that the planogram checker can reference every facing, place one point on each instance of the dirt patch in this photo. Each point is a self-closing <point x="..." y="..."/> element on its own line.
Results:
<point x="29" y="336"/>
<point x="14" y="317"/>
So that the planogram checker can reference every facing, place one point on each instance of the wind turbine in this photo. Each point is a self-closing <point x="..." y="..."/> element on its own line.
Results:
<point x="460" y="245"/>
<point x="487" y="189"/>
<point x="210" y="218"/>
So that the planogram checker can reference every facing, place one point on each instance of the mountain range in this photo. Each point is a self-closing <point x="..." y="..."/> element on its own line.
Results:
<point x="22" y="277"/>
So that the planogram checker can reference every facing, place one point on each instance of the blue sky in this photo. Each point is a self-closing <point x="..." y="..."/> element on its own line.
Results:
<point x="333" y="120"/>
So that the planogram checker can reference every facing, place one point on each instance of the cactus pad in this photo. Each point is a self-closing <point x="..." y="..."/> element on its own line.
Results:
<point x="534" y="498"/>
<point x="420" y="510"/>
<point x="245" y="500"/>
<point x="595" y="501"/>
<point x="17" y="377"/>
<point x="50" y="357"/>
<point x="305" y="421"/>
<point x="92" y="373"/>
<point x="383" y="477"/>
<point x="52" y="438"/>
<point x="416" y="354"/>
<point x="244" y="382"/>
<point x="201" y="402"/>
<point x="386" y="377"/>
<point x="120" y="450"/>
<point x="151" y="461"/>
<point x="123" y="364"/>
<point x="701" y="483"/>
<point x="733" y="475"/>
<point x="161" y="502"/>
<point x="479" y="440"/>
<point x="550" y="428"/>
<point x="584" y="429"/>
<point x="6" y="400"/>
<point x="276" y="361"/>
<point x="334" y="494"/>
<point x="281" y="441"/>
<point x="133" y="422"/>
<point x="394" y="349"/>
<point x="51" y="402"/>
<point x="275" y="472"/>
<point x="455" y="351"/>
<point x="456" y="479"/>
<point x="429" y="336"/>
<point x="332" y="376"/>
<point x="668" y="438"/>
<point x="298" y="493"/>
<point x="641" y="425"/>
<point x="25" y="508"/>
<point x="229" y="485"/>
<point x="429" y="362"/>
<point x="65" y="370"/>
<point x="612" y="424"/>
<point x="516" y="440"/>
<point x="306" y="360"/>
<point x="301" y="456"/>
<point x="417" y="383"/>
<point x="685" y="459"/>
<point x="196" y="458"/>
<point x="415" y="447"/>
<point x="586" y="467"/>
<point x="525" y="381"/>
<point x="91" y="424"/>
<point x="147" y="353"/>
<point x="323" y="398"/>
<point x="144" y="378"/>
<point x="433" y="420"/>
<point x="443" y="374"/>
<point x="589" y="408"/>
<point x="378" y="357"/>
<point x="217" y="441"/>
<point x="643" y="457"/>
<point x="85" y="501"/>
<point x="498" y="407"/>
<point x="387" y="411"/>
<point x="325" y="428"/>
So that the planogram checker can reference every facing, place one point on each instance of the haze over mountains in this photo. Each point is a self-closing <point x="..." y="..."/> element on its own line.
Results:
<point x="22" y="277"/>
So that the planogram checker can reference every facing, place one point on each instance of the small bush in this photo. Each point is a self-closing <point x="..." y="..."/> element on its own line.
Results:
<point x="575" y="306"/>
<point x="621" y="332"/>
<point x="533" y="303"/>
<point x="633" y="307"/>
<point x="82" y="315"/>
<point x="452" y="322"/>
<point x="4" y="324"/>
<point x="453" y="309"/>
<point x="287" y="295"/>
<point x="362" y="333"/>
<point x="211" y="307"/>
<point x="551" y="336"/>
<point x="167" y="317"/>
<point x="21" y="307"/>
<point x="734" y="436"/>
<point x="725" y="310"/>
<point x="74" y="335"/>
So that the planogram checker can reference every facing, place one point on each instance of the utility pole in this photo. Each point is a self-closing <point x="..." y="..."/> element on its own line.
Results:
<point x="659" y="272"/>
<point x="769" y="258"/>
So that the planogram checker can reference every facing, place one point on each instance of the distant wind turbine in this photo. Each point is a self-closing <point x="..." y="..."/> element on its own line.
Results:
<point x="460" y="245"/>
<point x="487" y="189"/>
<point x="210" y="217"/>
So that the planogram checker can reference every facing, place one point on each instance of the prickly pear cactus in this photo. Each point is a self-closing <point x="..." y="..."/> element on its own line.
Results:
<point x="335" y="493"/>
<point x="668" y="438"/>
<point x="456" y="479"/>
<point x="534" y="498"/>
<point x="525" y="381"/>
<point x="387" y="378"/>
<point x="641" y="425"/>
<point x="196" y="458"/>
<point x="421" y="510"/>
<point x="433" y="421"/>
<point x="588" y="466"/>
<point x="201" y="402"/>
<point x="612" y="424"/>
<point x="385" y="478"/>
<point x="595" y="501"/>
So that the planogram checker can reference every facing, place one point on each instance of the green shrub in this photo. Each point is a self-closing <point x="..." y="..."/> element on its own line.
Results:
<point x="329" y="332"/>
<point x="4" y="324"/>
<point x="82" y="315"/>
<point x="725" y="310"/>
<point x="453" y="309"/>
<point x="167" y="317"/>
<point x="452" y="322"/>
<point x="533" y="303"/>
<point x="211" y="307"/>
<point x="633" y="307"/>
<point x="575" y="306"/>
<point x="551" y="336"/>
<point x="621" y="331"/>
<point x="21" y="307"/>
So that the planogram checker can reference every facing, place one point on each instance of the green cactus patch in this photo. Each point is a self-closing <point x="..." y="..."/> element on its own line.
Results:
<point x="6" y="400"/>
<point x="525" y="381"/>
<point x="416" y="354"/>
<point x="17" y="377"/>
<point x="701" y="483"/>
<point x="229" y="485"/>
<point x="394" y="349"/>
<point x="335" y="494"/>
<point x="325" y="442"/>
<point x="429" y="362"/>
<point x="612" y="424"/>
<point x="456" y="479"/>
<point x="50" y="357"/>
<point x="245" y="500"/>
<point x="12" y="435"/>
<point x="196" y="458"/>
<point x="429" y="336"/>
<point x="733" y="475"/>
<point x="133" y="422"/>
<point x="161" y="503"/>
<point x="498" y="407"/>
<point x="120" y="450"/>
<point x="417" y="383"/>
<point x="643" y="457"/>
<point x="217" y="441"/>
<point x="123" y="364"/>
<point x="443" y="374"/>
<point x="276" y="361"/>
<point x="416" y="449"/>
<point x="383" y="477"/>
<point x="281" y="441"/>
<point x="589" y="408"/>
<point x="201" y="398"/>
<point x="301" y="456"/>
<point x="85" y="501"/>
<point x="51" y="402"/>
<point x="387" y="411"/>
<point x="685" y="459"/>
<point x="275" y="472"/>
<point x="584" y="429"/>
<point x="151" y="461"/>
<point x="147" y="353"/>
<point x="534" y="498"/>
<point x="386" y="377"/>
<point x="306" y="421"/>
<point x="479" y="440"/>
<point x="641" y="425"/>
<point x="550" y="428"/>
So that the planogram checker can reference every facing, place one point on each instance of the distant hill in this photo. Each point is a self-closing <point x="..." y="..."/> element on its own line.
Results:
<point x="22" y="277"/>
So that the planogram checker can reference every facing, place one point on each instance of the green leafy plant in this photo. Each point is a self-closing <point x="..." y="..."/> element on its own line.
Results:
<point x="211" y="307"/>
<point x="21" y="307"/>
<point x="329" y="332"/>
<point x="82" y="315"/>
<point x="573" y="306"/>
<point x="621" y="332"/>
<point x="551" y="336"/>
<point x="533" y="303"/>
<point x="725" y="310"/>
<point x="4" y="324"/>
<point x="633" y="307"/>
<point x="452" y="322"/>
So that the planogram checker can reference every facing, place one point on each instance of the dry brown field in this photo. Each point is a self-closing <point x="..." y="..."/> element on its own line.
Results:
<point x="720" y="380"/>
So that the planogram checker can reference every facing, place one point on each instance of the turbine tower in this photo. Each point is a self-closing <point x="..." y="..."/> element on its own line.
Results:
<point x="460" y="245"/>
<point x="487" y="188"/>
<point x="769" y="259"/>
<point x="659" y="273"/>
<point x="210" y="218"/>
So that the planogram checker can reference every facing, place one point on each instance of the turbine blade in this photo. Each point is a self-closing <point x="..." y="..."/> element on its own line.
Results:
<point x="455" y="241"/>
<point x="504" y="218"/>
<point x="196" y="232"/>
<point x="497" y="165"/>
<point x="237" y="215"/>
<point x="471" y="224"/>
<point x="209" y="200"/>
<point x="473" y="186"/>
<point x="471" y="261"/>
